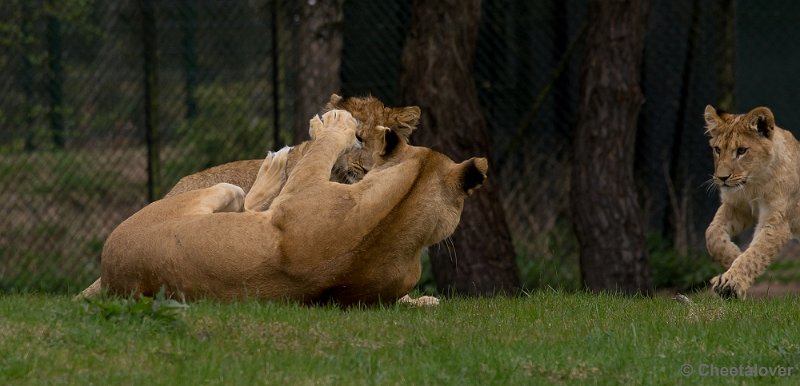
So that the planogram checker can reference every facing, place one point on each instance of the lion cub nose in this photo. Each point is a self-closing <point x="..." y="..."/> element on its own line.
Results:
<point x="724" y="178"/>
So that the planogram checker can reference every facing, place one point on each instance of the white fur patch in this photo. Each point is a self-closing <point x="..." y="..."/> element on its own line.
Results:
<point x="284" y="150"/>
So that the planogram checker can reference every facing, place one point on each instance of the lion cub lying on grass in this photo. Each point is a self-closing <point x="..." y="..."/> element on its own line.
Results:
<point x="757" y="171"/>
<point x="319" y="241"/>
<point x="349" y="167"/>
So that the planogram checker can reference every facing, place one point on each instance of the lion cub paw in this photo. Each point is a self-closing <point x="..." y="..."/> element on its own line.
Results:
<point x="422" y="301"/>
<point x="231" y="198"/>
<point x="338" y="124"/>
<point x="728" y="285"/>
<point x="341" y="119"/>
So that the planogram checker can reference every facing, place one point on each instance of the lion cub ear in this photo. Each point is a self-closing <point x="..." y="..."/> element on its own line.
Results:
<point x="391" y="141"/>
<point x="762" y="121"/>
<point x="713" y="120"/>
<point x="314" y="126"/>
<point x="404" y="120"/>
<point x="333" y="102"/>
<point x="472" y="174"/>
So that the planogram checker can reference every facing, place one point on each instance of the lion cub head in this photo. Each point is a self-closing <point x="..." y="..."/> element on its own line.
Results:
<point x="433" y="185"/>
<point x="370" y="113"/>
<point x="741" y="144"/>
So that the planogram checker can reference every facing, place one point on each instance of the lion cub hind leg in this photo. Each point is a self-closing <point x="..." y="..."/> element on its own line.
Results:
<point x="269" y="181"/>
<point x="222" y="197"/>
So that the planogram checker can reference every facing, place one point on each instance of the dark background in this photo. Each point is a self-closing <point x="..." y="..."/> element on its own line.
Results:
<point x="74" y="141"/>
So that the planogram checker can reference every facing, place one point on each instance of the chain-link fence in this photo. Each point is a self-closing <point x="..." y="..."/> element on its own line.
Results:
<point x="105" y="105"/>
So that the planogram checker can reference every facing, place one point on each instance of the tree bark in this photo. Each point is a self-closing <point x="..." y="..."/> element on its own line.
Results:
<point x="605" y="209"/>
<point x="437" y="76"/>
<point x="318" y="59"/>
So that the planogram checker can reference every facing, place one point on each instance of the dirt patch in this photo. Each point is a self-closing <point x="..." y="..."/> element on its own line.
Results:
<point x="771" y="289"/>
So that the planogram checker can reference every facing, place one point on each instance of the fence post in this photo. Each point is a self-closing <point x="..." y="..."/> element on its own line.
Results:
<point x="188" y="16"/>
<point x="27" y="74"/>
<point x="276" y="110"/>
<point x="56" y="80"/>
<point x="149" y="35"/>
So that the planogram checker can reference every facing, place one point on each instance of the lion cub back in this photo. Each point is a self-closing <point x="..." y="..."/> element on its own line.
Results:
<point x="241" y="173"/>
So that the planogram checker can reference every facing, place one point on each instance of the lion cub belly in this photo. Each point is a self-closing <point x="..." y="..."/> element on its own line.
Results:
<point x="385" y="282"/>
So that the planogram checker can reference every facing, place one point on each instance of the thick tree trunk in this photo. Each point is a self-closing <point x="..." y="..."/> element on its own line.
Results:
<point x="318" y="58"/>
<point x="605" y="210"/>
<point x="437" y="76"/>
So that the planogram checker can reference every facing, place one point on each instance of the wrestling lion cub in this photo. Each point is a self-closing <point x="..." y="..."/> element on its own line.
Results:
<point x="319" y="240"/>
<point x="757" y="171"/>
<point x="349" y="167"/>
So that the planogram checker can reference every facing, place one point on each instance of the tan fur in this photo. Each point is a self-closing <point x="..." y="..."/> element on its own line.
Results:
<point x="757" y="170"/>
<point x="318" y="241"/>
<point x="349" y="167"/>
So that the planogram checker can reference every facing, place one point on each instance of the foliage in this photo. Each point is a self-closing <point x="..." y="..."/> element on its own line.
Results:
<point x="783" y="271"/>
<point x="160" y="308"/>
<point x="551" y="261"/>
<point x="427" y="282"/>
<point x="221" y="132"/>
<point x="670" y="269"/>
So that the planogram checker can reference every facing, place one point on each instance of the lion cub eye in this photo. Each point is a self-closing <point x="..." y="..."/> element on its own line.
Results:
<point x="717" y="150"/>
<point x="740" y="151"/>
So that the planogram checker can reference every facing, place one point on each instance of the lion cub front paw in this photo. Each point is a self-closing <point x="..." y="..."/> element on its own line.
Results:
<point x="728" y="285"/>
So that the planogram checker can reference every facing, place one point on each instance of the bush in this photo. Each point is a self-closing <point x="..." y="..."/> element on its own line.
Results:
<point x="675" y="271"/>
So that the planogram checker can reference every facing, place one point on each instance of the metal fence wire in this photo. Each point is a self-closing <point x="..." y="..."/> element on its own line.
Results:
<point x="105" y="105"/>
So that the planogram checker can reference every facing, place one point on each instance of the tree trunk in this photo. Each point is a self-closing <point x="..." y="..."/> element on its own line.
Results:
<point x="678" y="178"/>
<point x="605" y="209"/>
<point x="318" y="58"/>
<point x="437" y="76"/>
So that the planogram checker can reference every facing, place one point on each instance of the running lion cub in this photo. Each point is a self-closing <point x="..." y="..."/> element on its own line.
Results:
<point x="757" y="171"/>
<point x="319" y="241"/>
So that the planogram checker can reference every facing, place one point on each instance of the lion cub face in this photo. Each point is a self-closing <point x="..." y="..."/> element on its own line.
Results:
<point x="741" y="145"/>
<point x="438" y="185"/>
<point x="370" y="113"/>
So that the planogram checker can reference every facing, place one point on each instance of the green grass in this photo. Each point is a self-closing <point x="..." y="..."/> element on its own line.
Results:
<point x="545" y="338"/>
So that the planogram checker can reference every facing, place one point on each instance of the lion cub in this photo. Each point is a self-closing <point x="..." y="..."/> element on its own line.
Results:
<point x="757" y="171"/>
<point x="365" y="250"/>
<point x="349" y="168"/>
